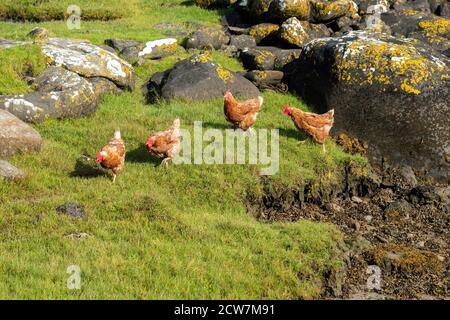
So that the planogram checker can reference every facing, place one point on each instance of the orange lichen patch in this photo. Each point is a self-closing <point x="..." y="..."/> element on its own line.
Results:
<point x="367" y="62"/>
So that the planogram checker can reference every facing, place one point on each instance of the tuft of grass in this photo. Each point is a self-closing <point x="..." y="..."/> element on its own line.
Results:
<point x="16" y="64"/>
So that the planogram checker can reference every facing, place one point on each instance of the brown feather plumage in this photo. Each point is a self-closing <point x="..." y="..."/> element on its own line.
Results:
<point x="113" y="155"/>
<point x="317" y="126"/>
<point x="241" y="114"/>
<point x="166" y="143"/>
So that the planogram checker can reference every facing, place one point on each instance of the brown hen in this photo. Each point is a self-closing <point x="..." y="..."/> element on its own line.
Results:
<point x="166" y="144"/>
<point x="112" y="156"/>
<point x="317" y="126"/>
<point x="241" y="114"/>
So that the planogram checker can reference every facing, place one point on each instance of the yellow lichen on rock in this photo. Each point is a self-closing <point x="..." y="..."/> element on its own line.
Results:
<point x="224" y="74"/>
<point x="384" y="63"/>
<point x="436" y="27"/>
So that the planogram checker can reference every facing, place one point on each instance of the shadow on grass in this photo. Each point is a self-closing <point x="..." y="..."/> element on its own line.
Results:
<point x="86" y="167"/>
<point x="141" y="155"/>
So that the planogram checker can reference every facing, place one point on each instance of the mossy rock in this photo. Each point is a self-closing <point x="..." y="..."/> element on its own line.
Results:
<point x="259" y="8"/>
<point x="380" y="85"/>
<point x="297" y="33"/>
<point x="325" y="11"/>
<point x="284" y="9"/>
<point x="264" y="33"/>
<point x="207" y="39"/>
<point x="197" y="79"/>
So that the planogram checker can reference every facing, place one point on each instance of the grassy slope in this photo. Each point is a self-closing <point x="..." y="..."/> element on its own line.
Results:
<point x="181" y="233"/>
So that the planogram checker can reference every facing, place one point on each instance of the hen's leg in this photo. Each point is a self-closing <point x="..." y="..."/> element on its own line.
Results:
<point x="165" y="162"/>
<point x="302" y="141"/>
<point x="114" y="177"/>
<point x="323" y="148"/>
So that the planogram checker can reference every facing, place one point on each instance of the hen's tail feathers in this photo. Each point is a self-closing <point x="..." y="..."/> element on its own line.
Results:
<point x="261" y="101"/>
<point x="117" y="135"/>
<point x="332" y="112"/>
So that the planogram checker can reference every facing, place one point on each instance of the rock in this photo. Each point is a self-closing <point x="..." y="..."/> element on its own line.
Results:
<point x="9" y="172"/>
<point x="16" y="136"/>
<point x="397" y="209"/>
<point x="214" y="3"/>
<point x="77" y="235"/>
<point x="445" y="10"/>
<point x="159" y="48"/>
<point x="297" y="33"/>
<point x="264" y="78"/>
<point x="207" y="39"/>
<point x="392" y="257"/>
<point x="259" y="8"/>
<point x="60" y="94"/>
<point x="432" y="195"/>
<point x="268" y="58"/>
<point x="89" y="60"/>
<point x="72" y="209"/>
<point x="264" y="33"/>
<point x="405" y="81"/>
<point x="368" y="218"/>
<point x="199" y="78"/>
<point x="6" y="43"/>
<point x="412" y="5"/>
<point x="241" y="42"/>
<point x="325" y="11"/>
<point x="356" y="199"/>
<point x="407" y="173"/>
<point x="119" y="44"/>
<point x="259" y="58"/>
<point x="284" y="9"/>
<point x="425" y="27"/>
<point x="131" y="55"/>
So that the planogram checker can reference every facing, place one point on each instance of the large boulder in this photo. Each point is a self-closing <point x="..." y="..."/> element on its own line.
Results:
<point x="297" y="33"/>
<point x="198" y="78"/>
<point x="259" y="8"/>
<point x="16" y="136"/>
<point x="391" y="93"/>
<point x="59" y="94"/>
<point x="89" y="60"/>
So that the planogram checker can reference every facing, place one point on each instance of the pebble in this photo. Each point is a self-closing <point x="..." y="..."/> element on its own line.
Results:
<point x="357" y="199"/>
<point x="368" y="218"/>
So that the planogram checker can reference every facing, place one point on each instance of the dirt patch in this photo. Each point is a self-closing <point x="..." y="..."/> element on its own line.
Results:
<point x="392" y="226"/>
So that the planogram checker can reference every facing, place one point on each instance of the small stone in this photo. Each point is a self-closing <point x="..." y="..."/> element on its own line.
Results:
<point x="9" y="172"/>
<point x="368" y="218"/>
<point x="420" y="244"/>
<point x="440" y="258"/>
<point x="77" y="235"/>
<point x="407" y="173"/>
<point x="72" y="209"/>
<point x="356" y="199"/>
<point x="356" y="225"/>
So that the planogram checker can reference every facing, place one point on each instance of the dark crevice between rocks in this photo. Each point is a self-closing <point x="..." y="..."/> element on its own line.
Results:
<point x="390" y="221"/>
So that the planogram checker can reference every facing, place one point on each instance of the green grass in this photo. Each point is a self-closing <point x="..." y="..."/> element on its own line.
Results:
<point x="17" y="63"/>
<point x="156" y="233"/>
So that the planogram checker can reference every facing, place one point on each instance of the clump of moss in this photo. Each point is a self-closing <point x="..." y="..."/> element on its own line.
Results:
<point x="352" y="145"/>
<point x="405" y="259"/>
